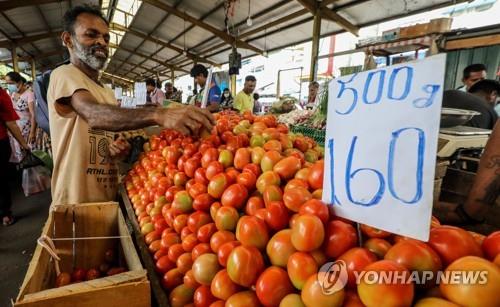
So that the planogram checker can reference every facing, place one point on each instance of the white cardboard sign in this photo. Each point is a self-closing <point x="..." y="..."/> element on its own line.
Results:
<point x="381" y="144"/>
<point x="140" y="93"/>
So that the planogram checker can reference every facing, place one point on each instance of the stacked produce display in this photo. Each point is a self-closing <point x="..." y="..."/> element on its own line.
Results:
<point x="235" y="218"/>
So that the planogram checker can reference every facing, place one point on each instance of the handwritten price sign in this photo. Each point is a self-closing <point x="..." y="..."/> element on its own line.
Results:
<point x="381" y="143"/>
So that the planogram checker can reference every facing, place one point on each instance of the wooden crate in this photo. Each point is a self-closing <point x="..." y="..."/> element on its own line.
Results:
<point x="91" y="220"/>
<point x="160" y="297"/>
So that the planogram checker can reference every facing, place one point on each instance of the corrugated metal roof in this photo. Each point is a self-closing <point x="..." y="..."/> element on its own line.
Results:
<point x="156" y="36"/>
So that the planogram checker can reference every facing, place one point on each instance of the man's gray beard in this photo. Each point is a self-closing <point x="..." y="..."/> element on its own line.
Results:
<point x="85" y="55"/>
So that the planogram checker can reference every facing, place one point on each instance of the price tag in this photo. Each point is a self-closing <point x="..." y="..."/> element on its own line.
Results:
<point x="381" y="144"/>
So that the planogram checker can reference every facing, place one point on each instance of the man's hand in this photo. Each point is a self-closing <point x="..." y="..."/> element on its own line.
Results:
<point x="186" y="119"/>
<point x="119" y="149"/>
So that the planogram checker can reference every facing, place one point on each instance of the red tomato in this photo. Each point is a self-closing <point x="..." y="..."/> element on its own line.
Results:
<point x="473" y="293"/>
<point x="252" y="231"/>
<point x="152" y="236"/>
<point x="199" y="176"/>
<point x="241" y="158"/>
<point x="373" y="232"/>
<point x="272" y="286"/>
<point x="190" y="281"/>
<point x="377" y="246"/>
<point x="312" y="293"/>
<point x="415" y="256"/>
<point x="452" y="243"/>
<point x="491" y="245"/>
<point x="280" y="248"/>
<point x="295" y="198"/>
<point x="287" y="167"/>
<point x="198" y="219"/>
<point x="219" y="238"/>
<point x="303" y="174"/>
<point x="356" y="259"/>
<point x="197" y="189"/>
<point x="203" y="297"/>
<point x="317" y="208"/>
<point x="277" y="216"/>
<point x="300" y="267"/>
<point x="175" y="251"/>
<point x="224" y="251"/>
<point x="273" y="145"/>
<point x="202" y="202"/>
<point x="244" y="265"/>
<point x="200" y="249"/>
<point x="307" y="233"/>
<point x="210" y="154"/>
<point x="213" y="169"/>
<point x="247" y="179"/>
<point x="172" y="279"/>
<point x="384" y="293"/>
<point x="181" y="296"/>
<point x="241" y="299"/>
<point x="222" y="286"/>
<point x="272" y="193"/>
<point x="339" y="238"/>
<point x="293" y="183"/>
<point x="189" y="242"/>
<point x="180" y="222"/>
<point x="170" y="194"/>
<point x="218" y="185"/>
<point x="254" y="203"/>
<point x="164" y="264"/>
<point x="269" y="160"/>
<point x="315" y="177"/>
<point x="226" y="218"/>
<point x="205" y="232"/>
<point x="253" y="168"/>
<point x="234" y="196"/>
<point x="169" y="240"/>
<point x="205" y="267"/>
<point x="214" y="208"/>
<point x="184" y="262"/>
<point x="190" y="166"/>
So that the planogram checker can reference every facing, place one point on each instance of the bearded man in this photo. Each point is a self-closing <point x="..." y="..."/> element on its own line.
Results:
<point x="84" y="115"/>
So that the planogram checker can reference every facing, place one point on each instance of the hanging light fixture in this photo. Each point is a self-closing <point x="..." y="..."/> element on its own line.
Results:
<point x="249" y="19"/>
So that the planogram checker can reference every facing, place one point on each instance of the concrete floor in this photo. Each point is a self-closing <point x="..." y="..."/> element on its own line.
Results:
<point x="18" y="241"/>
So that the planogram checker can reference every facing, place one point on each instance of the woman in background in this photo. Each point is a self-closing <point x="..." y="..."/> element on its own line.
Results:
<point x="23" y="101"/>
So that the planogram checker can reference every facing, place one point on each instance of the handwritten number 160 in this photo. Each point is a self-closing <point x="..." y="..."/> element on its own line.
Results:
<point x="377" y="79"/>
<point x="350" y="173"/>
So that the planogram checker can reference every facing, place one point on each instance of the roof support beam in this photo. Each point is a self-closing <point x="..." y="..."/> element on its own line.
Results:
<point x="310" y="5"/>
<point x="153" y="31"/>
<point x="148" y="58"/>
<point x="28" y="39"/>
<point x="118" y="27"/>
<point x="12" y="4"/>
<point x="223" y="35"/>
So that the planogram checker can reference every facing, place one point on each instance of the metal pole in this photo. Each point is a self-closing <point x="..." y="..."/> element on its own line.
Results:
<point x="315" y="46"/>
<point x="33" y="70"/>
<point x="15" y="60"/>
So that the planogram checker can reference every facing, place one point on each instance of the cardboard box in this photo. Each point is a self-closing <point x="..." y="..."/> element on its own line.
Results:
<point x="130" y="288"/>
<point x="440" y="25"/>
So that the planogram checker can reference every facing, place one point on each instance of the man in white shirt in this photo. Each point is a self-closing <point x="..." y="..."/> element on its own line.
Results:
<point x="472" y="74"/>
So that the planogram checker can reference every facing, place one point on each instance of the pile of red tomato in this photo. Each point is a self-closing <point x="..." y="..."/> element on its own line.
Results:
<point x="235" y="219"/>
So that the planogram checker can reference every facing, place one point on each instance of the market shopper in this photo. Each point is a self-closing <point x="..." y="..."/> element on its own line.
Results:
<point x="8" y="117"/>
<point x="474" y="102"/>
<point x="226" y="101"/>
<point x="23" y="100"/>
<point x="155" y="95"/>
<point x="312" y="98"/>
<point x="200" y="75"/>
<point x="171" y="93"/>
<point x="484" y="192"/>
<point x="83" y="113"/>
<point x="472" y="74"/>
<point x="243" y="101"/>
<point x="486" y="89"/>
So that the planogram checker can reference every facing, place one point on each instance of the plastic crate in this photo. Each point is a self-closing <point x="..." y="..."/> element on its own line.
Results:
<point x="317" y="135"/>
